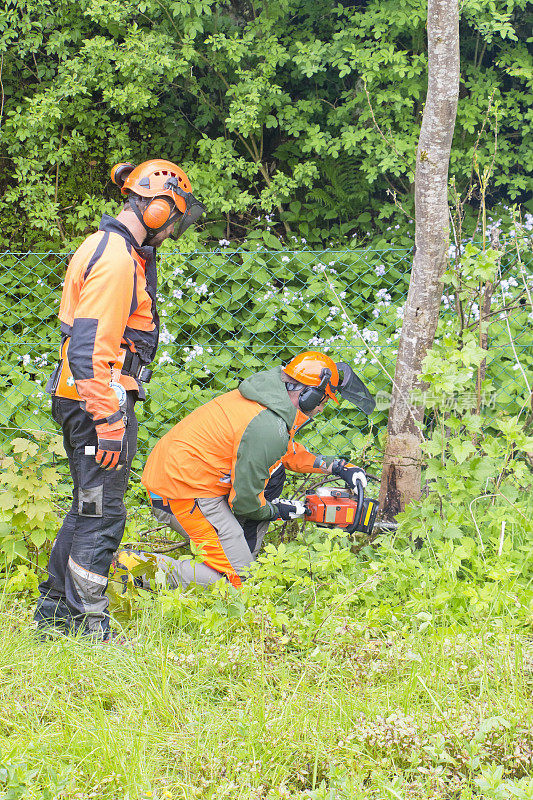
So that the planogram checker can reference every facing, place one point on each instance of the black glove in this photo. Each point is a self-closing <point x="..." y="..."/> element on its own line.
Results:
<point x="349" y="474"/>
<point x="289" y="509"/>
<point x="110" y="446"/>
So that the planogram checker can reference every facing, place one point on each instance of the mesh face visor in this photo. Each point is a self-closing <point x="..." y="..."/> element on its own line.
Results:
<point x="352" y="389"/>
<point x="193" y="212"/>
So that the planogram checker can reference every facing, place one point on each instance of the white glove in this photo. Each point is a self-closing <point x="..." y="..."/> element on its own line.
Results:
<point x="289" y="509"/>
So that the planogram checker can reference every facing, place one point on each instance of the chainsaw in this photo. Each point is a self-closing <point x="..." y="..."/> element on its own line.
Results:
<point x="331" y="507"/>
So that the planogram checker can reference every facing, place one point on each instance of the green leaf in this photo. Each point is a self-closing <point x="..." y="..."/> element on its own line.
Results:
<point x="56" y="447"/>
<point x="461" y="449"/>
<point x="38" y="538"/>
<point x="24" y="446"/>
<point x="8" y="500"/>
<point x="272" y="241"/>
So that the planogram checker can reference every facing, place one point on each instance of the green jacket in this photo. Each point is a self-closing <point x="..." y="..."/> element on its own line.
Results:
<point x="263" y="442"/>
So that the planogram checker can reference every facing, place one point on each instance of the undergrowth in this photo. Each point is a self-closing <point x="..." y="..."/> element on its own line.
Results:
<point x="396" y="672"/>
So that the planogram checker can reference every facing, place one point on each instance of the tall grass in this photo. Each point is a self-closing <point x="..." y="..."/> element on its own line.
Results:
<point x="249" y="712"/>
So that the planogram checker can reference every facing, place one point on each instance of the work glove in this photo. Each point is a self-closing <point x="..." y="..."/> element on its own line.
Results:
<point x="111" y="443"/>
<point x="349" y="474"/>
<point x="289" y="509"/>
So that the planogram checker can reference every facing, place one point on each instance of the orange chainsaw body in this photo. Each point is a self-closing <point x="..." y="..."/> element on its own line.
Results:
<point x="337" y="508"/>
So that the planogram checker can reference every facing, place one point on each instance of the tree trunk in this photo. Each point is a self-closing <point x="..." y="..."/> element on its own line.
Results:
<point x="402" y="465"/>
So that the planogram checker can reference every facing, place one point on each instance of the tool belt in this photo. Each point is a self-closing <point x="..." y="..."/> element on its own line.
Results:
<point x="62" y="382"/>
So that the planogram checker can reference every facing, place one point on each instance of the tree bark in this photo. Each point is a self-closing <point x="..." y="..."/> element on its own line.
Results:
<point x="402" y="464"/>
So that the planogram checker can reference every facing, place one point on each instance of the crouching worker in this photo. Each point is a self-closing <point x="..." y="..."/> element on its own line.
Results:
<point x="216" y="477"/>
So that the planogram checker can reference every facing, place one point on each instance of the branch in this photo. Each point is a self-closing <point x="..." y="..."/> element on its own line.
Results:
<point x="391" y="144"/>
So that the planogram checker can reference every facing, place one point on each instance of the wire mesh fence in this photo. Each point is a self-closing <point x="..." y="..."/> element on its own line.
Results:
<point x="226" y="314"/>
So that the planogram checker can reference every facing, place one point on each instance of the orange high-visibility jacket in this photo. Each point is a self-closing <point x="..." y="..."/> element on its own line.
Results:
<point x="230" y="446"/>
<point x="108" y="305"/>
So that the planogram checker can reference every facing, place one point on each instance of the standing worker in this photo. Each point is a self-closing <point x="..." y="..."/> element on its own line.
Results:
<point x="216" y="477"/>
<point x="109" y="334"/>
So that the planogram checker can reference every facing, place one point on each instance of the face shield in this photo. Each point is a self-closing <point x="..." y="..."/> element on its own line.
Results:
<point x="193" y="212"/>
<point x="352" y="389"/>
<point x="173" y="199"/>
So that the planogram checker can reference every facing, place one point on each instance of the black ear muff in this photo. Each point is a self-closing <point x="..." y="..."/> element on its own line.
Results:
<point x="120" y="172"/>
<point x="312" y="396"/>
<point x="157" y="213"/>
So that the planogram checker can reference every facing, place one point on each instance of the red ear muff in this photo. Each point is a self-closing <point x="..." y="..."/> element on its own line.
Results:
<point x="157" y="213"/>
<point x="120" y="172"/>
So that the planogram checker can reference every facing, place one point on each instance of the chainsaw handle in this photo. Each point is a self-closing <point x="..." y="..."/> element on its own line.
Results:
<point x="360" y="503"/>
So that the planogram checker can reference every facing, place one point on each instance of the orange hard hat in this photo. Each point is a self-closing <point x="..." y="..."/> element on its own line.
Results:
<point x="309" y="368"/>
<point x="151" y="179"/>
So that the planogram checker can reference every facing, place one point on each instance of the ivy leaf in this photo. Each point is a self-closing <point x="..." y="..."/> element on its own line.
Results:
<point x="511" y="428"/>
<point x="483" y="468"/>
<point x="434" y="445"/>
<point x="56" y="447"/>
<point x="7" y="500"/>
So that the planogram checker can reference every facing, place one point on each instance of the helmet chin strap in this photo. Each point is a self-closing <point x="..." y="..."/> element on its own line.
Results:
<point x="138" y="213"/>
<point x="148" y="239"/>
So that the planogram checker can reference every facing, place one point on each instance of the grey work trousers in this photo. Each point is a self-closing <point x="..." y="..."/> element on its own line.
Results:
<point x="240" y="549"/>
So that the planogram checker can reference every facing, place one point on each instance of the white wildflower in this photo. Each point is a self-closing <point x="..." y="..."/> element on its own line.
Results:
<point x="164" y="335"/>
<point x="165" y="358"/>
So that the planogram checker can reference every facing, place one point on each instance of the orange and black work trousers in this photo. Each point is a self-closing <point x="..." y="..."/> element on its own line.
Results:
<point x="227" y="544"/>
<point x="73" y="597"/>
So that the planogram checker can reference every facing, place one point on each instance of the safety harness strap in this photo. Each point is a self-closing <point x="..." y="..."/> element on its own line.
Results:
<point x="134" y="367"/>
<point x="118" y="415"/>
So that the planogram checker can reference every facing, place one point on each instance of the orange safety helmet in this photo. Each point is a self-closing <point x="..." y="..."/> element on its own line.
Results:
<point x="170" y="189"/>
<point x="312" y="368"/>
